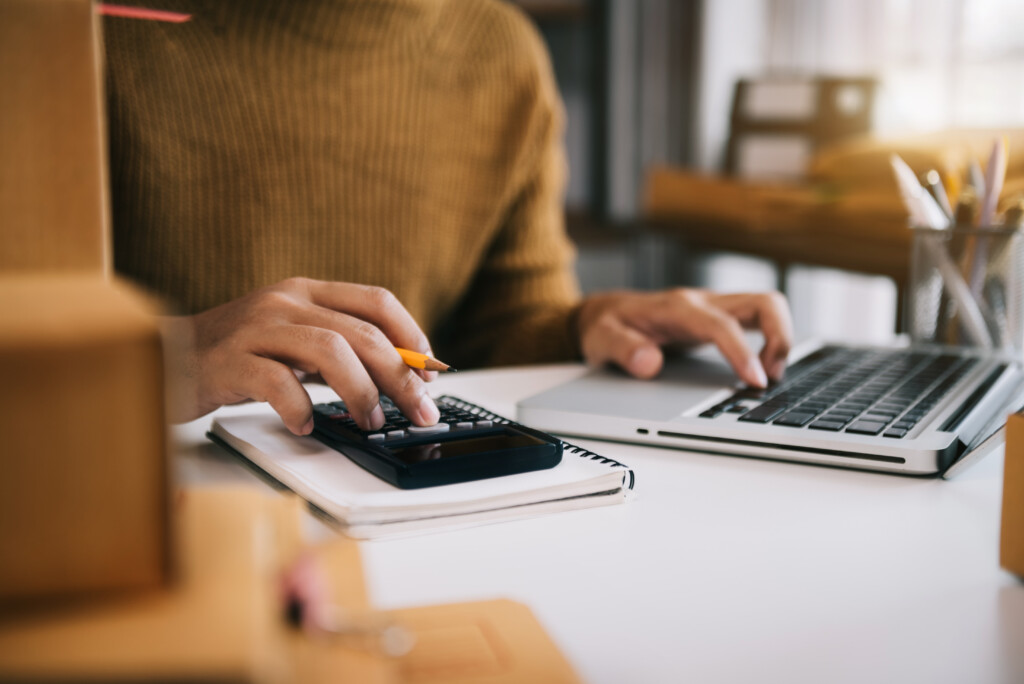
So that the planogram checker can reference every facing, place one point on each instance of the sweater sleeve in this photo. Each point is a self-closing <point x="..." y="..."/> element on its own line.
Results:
<point x="522" y="304"/>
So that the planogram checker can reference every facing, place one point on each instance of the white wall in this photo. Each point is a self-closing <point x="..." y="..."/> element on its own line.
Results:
<point x="736" y="39"/>
<point x="732" y="46"/>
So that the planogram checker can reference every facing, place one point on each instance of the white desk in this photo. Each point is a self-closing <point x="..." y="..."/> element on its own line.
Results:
<point x="726" y="569"/>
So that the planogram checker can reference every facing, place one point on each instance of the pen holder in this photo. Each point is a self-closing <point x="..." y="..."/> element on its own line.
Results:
<point x="967" y="288"/>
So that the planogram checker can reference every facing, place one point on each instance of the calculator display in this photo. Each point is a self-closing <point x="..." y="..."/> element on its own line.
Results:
<point x="465" y="447"/>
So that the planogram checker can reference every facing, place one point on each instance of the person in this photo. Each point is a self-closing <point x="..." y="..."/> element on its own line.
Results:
<point x="313" y="184"/>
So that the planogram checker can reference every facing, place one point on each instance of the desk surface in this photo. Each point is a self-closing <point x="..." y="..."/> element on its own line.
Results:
<point x="725" y="569"/>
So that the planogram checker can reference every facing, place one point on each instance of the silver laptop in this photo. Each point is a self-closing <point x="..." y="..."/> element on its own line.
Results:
<point x="913" y="410"/>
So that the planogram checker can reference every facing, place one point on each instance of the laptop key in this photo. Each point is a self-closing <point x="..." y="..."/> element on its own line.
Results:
<point x="830" y="425"/>
<point x="843" y="412"/>
<point x="796" y="418"/>
<point x="866" y="427"/>
<point x="895" y="433"/>
<point x="748" y="393"/>
<point x="763" y="413"/>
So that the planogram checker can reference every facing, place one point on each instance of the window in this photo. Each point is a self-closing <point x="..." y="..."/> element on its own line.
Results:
<point x="942" y="63"/>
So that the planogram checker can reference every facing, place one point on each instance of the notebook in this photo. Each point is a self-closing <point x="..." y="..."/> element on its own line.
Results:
<point x="915" y="410"/>
<point x="366" y="507"/>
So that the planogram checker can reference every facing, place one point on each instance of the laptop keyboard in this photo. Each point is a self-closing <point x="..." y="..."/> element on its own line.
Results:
<point x="859" y="391"/>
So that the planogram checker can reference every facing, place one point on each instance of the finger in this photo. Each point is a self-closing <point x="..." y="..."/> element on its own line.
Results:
<point x="375" y="305"/>
<point x="727" y="335"/>
<point x="400" y="382"/>
<point x="323" y="351"/>
<point x="267" y="380"/>
<point x="611" y="340"/>
<point x="777" y="326"/>
<point x="770" y="313"/>
<point x="377" y="354"/>
<point x="699" y="318"/>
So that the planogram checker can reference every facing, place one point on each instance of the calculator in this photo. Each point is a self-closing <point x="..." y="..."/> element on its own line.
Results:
<point x="467" y="443"/>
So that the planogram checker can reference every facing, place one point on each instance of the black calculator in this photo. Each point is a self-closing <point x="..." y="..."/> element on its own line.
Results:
<point x="467" y="443"/>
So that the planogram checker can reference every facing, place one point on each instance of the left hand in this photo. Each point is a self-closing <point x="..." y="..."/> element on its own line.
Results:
<point x="629" y="329"/>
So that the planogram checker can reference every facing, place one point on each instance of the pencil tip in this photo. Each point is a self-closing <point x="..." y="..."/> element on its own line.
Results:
<point x="452" y="370"/>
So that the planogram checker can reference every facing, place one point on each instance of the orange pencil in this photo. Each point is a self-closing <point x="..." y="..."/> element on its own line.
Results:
<point x="422" y="361"/>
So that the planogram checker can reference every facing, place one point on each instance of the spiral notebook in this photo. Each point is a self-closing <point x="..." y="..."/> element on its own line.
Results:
<point x="365" y="507"/>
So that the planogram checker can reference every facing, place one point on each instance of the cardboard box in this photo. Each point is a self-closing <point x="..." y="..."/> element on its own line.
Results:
<point x="1011" y="545"/>
<point x="84" y="492"/>
<point x="224" y="620"/>
<point x="53" y="197"/>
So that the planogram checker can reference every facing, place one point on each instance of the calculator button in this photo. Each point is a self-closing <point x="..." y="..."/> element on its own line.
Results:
<point x="484" y="423"/>
<point x="464" y="425"/>
<point x="428" y="430"/>
<point x="375" y="436"/>
<point x="396" y="434"/>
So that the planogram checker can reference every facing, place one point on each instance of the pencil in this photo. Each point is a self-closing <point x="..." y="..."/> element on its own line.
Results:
<point x="141" y="13"/>
<point x="422" y="361"/>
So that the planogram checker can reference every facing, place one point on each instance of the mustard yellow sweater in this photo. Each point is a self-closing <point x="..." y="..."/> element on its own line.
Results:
<point x="412" y="144"/>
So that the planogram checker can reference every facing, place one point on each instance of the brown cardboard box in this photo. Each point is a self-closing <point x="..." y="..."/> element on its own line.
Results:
<point x="223" y="621"/>
<point x="1011" y="546"/>
<point x="487" y="642"/>
<point x="53" y="198"/>
<point x="83" y="497"/>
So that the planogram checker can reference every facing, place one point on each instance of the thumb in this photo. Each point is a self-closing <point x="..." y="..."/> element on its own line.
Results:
<point x="610" y="340"/>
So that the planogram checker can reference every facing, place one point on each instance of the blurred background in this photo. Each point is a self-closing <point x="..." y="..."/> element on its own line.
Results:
<point x="743" y="144"/>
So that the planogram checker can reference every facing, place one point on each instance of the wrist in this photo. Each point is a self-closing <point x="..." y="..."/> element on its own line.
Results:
<point x="181" y="368"/>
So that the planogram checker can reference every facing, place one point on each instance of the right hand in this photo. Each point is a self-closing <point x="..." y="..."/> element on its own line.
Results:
<point x="251" y="347"/>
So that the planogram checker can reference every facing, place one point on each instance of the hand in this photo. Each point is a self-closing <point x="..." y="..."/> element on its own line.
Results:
<point x="252" y="347"/>
<point x="629" y="328"/>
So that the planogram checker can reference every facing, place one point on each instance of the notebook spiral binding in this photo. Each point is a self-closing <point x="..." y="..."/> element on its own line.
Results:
<point x="579" y="451"/>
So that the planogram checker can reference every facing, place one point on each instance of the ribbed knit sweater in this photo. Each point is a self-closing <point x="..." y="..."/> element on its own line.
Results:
<point x="411" y="144"/>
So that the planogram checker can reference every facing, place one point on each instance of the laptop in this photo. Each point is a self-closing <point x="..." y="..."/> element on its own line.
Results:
<point x="915" y="410"/>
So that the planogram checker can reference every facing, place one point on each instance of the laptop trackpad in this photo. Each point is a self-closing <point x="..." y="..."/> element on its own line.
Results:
<point x="682" y="383"/>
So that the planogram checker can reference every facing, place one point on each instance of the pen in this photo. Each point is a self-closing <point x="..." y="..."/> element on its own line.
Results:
<point x="962" y="243"/>
<point x="127" y="12"/>
<point x="1013" y="219"/>
<point x="994" y="176"/>
<point x="926" y="213"/>
<point x="975" y="178"/>
<point x="933" y="182"/>
<point x="922" y="208"/>
<point x="966" y="213"/>
<point x="995" y="172"/>
<point x="422" y="361"/>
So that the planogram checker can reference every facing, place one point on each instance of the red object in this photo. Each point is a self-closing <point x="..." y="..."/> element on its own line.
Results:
<point x="142" y="13"/>
<point x="305" y="588"/>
